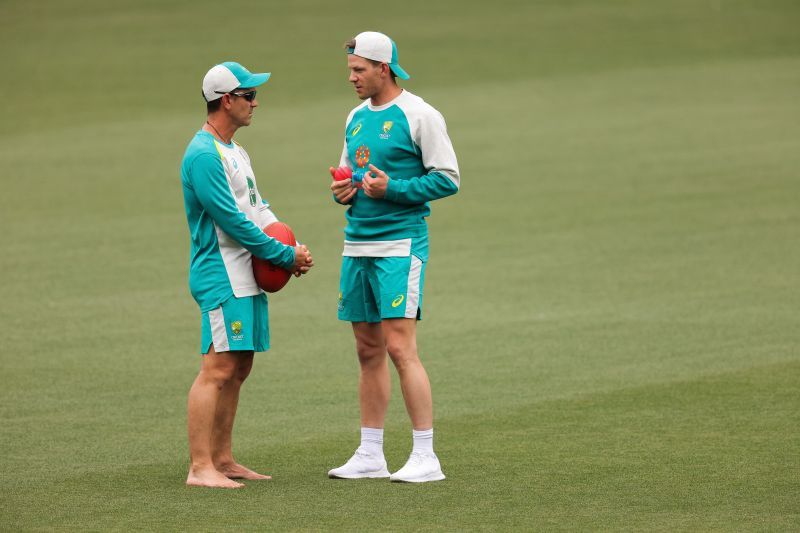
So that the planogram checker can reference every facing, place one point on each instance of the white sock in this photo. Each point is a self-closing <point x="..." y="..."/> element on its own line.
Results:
<point x="423" y="441"/>
<point x="372" y="441"/>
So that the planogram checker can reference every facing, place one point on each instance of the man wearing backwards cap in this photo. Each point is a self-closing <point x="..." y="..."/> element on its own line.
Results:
<point x="225" y="212"/>
<point x="401" y="159"/>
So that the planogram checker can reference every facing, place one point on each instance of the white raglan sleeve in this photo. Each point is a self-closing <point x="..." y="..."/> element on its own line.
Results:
<point x="266" y="214"/>
<point x="442" y="177"/>
<point x="344" y="159"/>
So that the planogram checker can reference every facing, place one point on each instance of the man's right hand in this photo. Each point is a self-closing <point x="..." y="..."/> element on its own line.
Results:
<point x="343" y="190"/>
<point x="302" y="260"/>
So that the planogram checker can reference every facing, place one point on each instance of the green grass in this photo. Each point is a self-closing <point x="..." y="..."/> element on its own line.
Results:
<point x="611" y="323"/>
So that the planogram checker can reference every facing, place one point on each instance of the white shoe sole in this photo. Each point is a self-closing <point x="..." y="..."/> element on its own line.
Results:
<point x="362" y="475"/>
<point x="434" y="476"/>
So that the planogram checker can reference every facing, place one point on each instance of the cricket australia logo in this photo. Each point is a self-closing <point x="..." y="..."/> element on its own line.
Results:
<point x="386" y="127"/>
<point x="236" y="329"/>
<point x="362" y="155"/>
<point x="252" y="187"/>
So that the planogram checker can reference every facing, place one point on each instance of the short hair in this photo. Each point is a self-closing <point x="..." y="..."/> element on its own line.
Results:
<point x="213" y="105"/>
<point x="351" y="45"/>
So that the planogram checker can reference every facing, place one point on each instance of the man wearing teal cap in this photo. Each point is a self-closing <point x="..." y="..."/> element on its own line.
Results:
<point x="226" y="214"/>
<point x="401" y="159"/>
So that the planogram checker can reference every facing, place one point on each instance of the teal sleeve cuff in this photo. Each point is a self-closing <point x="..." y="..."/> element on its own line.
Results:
<point x="393" y="188"/>
<point x="420" y="190"/>
<point x="290" y="264"/>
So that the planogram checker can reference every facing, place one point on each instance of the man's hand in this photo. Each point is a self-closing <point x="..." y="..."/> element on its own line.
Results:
<point x="343" y="190"/>
<point x="375" y="182"/>
<point x="302" y="260"/>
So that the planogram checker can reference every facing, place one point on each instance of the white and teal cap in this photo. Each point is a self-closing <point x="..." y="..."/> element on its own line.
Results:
<point x="227" y="76"/>
<point x="378" y="47"/>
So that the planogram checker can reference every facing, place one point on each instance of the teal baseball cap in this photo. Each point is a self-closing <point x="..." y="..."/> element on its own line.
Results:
<point x="378" y="47"/>
<point x="227" y="76"/>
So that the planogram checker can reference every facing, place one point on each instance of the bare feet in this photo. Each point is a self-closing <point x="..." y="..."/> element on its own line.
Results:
<point x="209" y="477"/>
<point x="237" y="471"/>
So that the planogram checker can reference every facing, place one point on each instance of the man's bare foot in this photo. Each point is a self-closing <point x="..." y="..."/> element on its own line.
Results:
<point x="237" y="471"/>
<point x="211" y="478"/>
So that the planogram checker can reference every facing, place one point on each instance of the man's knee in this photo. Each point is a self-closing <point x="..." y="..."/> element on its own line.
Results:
<point x="219" y="370"/>
<point x="370" y="346"/>
<point x="402" y="353"/>
<point x="401" y="342"/>
<point x="217" y="376"/>
<point x="370" y="351"/>
<point x="243" y="369"/>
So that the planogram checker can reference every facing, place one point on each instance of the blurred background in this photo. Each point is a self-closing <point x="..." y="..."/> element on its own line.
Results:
<point x="610" y="320"/>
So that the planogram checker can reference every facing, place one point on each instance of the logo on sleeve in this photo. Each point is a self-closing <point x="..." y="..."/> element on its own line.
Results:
<point x="252" y="187"/>
<point x="386" y="127"/>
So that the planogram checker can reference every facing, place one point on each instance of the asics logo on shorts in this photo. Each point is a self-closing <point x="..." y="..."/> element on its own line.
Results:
<point x="397" y="301"/>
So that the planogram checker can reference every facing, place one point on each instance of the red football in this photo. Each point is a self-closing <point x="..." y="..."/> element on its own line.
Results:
<point x="269" y="277"/>
<point x="342" y="173"/>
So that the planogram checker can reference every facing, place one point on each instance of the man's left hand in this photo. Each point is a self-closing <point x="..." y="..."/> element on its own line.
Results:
<point x="375" y="182"/>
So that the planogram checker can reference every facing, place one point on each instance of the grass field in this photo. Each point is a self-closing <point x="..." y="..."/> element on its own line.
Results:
<point x="611" y="322"/>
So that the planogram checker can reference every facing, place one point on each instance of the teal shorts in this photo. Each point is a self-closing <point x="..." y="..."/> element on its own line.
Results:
<point x="239" y="324"/>
<point x="372" y="289"/>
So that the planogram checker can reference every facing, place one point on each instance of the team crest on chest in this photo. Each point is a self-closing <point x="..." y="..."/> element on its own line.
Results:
<point x="386" y="127"/>
<point x="362" y="155"/>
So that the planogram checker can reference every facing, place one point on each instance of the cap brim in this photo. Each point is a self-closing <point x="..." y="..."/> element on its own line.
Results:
<point x="256" y="79"/>
<point x="398" y="70"/>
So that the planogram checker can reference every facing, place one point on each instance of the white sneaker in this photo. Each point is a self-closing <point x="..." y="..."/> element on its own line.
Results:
<point x="419" y="468"/>
<point x="361" y="465"/>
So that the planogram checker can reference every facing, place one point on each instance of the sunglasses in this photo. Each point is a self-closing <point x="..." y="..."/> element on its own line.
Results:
<point x="249" y="95"/>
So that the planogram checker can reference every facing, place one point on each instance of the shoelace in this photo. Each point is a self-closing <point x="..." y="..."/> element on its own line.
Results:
<point x="417" y="457"/>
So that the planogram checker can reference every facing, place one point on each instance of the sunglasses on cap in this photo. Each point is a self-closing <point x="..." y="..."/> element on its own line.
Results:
<point x="248" y="95"/>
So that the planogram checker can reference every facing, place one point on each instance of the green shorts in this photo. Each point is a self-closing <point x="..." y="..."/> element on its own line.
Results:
<point x="238" y="324"/>
<point x="375" y="288"/>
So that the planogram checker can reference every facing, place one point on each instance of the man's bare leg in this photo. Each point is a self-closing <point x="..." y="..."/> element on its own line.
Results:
<point x="216" y="370"/>
<point x="374" y="384"/>
<point x="374" y="387"/>
<point x="401" y="343"/>
<point x="222" y="435"/>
